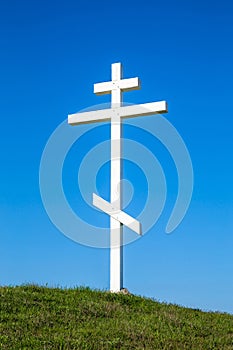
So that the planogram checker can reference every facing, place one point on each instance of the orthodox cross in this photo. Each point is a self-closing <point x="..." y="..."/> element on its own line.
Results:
<point x="118" y="217"/>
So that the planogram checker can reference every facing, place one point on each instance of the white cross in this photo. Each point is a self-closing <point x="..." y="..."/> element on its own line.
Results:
<point x="118" y="218"/>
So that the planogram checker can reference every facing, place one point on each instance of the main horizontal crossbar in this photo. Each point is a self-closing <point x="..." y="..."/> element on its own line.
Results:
<point x="119" y="215"/>
<point x="101" y="115"/>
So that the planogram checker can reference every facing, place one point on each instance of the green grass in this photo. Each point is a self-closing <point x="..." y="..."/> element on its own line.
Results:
<point x="33" y="317"/>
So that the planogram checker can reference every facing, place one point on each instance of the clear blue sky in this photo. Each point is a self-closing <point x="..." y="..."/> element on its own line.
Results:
<point x="51" y="54"/>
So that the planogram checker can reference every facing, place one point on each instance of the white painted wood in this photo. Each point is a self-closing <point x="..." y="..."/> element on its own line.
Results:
<point x="124" y="85"/>
<point x="101" y="115"/>
<point x="130" y="84"/>
<point x="144" y="109"/>
<point x="115" y="87"/>
<point x="116" y="228"/>
<point x="119" y="215"/>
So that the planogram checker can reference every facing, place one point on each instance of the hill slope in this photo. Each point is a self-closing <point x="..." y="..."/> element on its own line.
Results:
<point x="33" y="317"/>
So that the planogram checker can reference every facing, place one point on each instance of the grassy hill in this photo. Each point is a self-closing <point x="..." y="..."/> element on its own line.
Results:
<point x="33" y="317"/>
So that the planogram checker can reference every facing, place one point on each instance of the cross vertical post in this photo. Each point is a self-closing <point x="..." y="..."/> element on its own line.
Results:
<point x="116" y="227"/>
